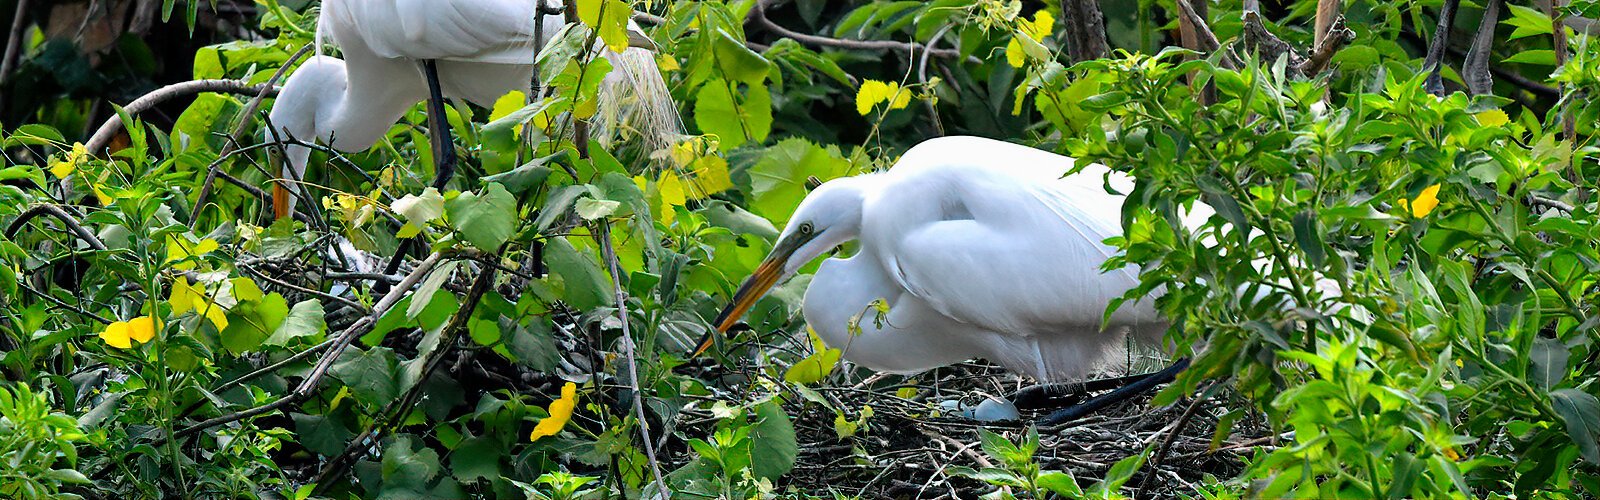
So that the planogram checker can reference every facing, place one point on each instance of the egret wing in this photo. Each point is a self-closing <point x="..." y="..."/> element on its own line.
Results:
<point x="490" y="31"/>
<point x="1022" y="257"/>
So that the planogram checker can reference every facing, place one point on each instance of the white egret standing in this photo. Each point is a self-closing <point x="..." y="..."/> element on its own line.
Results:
<point x="980" y="248"/>
<point x="398" y="52"/>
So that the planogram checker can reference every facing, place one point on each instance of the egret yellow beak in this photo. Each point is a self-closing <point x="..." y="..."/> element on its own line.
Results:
<point x="765" y="276"/>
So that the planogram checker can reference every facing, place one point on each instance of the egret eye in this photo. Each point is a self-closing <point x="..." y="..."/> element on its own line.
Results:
<point x="806" y="228"/>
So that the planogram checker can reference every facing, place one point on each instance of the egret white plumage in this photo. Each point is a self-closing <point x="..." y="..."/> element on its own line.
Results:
<point x="980" y="248"/>
<point x="395" y="50"/>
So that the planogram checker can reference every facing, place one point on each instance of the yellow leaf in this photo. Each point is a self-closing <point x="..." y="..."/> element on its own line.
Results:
<point x="181" y="248"/>
<point x="871" y="92"/>
<point x="1493" y="118"/>
<point x="1014" y="55"/>
<point x="902" y="97"/>
<point x="1425" y="202"/>
<point x="246" y="289"/>
<point x="560" y="413"/>
<point x="506" y="104"/>
<point x="667" y="63"/>
<point x="116" y="335"/>
<point x="1043" y="23"/>
<point x="672" y="190"/>
<point x="183" y="296"/>
<point x="66" y="166"/>
<point x="711" y="176"/>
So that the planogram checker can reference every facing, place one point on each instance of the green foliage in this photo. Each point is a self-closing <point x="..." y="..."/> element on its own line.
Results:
<point x="1406" y="282"/>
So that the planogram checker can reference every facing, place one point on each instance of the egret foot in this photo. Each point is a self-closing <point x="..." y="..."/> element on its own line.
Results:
<point x="1143" y="384"/>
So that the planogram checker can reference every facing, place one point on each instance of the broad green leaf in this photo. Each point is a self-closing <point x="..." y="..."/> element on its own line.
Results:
<point x="371" y="374"/>
<point x="773" y="444"/>
<point x="252" y="322"/>
<point x="813" y="368"/>
<point x="304" y="320"/>
<point x="421" y="209"/>
<point x="1581" y="412"/>
<point x="485" y="220"/>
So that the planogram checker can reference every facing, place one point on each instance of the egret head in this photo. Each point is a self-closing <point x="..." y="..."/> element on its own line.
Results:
<point x="829" y="216"/>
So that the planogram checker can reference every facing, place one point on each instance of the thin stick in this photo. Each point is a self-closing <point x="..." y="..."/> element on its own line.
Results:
<point x="109" y="129"/>
<point x="1166" y="445"/>
<point x="335" y="348"/>
<point x="238" y="130"/>
<point x="759" y="15"/>
<point x="603" y="237"/>
<point x="393" y="413"/>
<point x="14" y="41"/>
<point x="61" y="215"/>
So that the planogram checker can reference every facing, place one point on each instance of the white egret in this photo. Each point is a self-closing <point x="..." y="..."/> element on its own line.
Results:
<point x="980" y="249"/>
<point x="398" y="52"/>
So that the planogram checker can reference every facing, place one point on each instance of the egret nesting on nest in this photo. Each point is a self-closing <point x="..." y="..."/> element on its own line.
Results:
<point x="980" y="248"/>
<point x="399" y="52"/>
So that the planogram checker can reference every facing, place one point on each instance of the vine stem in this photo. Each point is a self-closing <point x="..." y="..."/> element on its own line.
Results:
<point x="109" y="129"/>
<point x="603" y="237"/>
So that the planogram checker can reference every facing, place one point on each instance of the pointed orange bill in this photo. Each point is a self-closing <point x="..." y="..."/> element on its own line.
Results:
<point x="765" y="276"/>
<point x="280" y="200"/>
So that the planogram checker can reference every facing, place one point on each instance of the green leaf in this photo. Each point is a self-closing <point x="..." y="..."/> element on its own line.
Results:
<point x="592" y="209"/>
<point x="370" y="374"/>
<point x="477" y="458"/>
<point x="420" y="210"/>
<point x="721" y="110"/>
<point x="586" y="285"/>
<point x="778" y="181"/>
<point x="1581" y="412"/>
<point x="306" y="319"/>
<point x="738" y="62"/>
<point x="321" y="434"/>
<point x="485" y="220"/>
<point x="773" y="444"/>
<point x="423" y="297"/>
<point x="252" y="322"/>
<point x="1061" y="483"/>
<point x="813" y="368"/>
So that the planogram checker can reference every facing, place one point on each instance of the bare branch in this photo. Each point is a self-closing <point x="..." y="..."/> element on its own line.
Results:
<point x="61" y="215"/>
<point x="102" y="137"/>
<point x="1434" y="62"/>
<point x="1475" y="70"/>
<point x="1086" y="30"/>
<point x="759" y="16"/>
<point x="1338" y="35"/>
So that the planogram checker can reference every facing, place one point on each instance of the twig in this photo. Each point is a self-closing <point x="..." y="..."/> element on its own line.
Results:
<point x="603" y="237"/>
<point x="109" y="129"/>
<point x="238" y="130"/>
<point x="335" y="347"/>
<point x="393" y="414"/>
<point x="1475" y="70"/>
<point x="54" y="211"/>
<point x="759" y="16"/>
<point x="61" y="303"/>
<point x="1177" y="428"/>
<point x="13" y="41"/>
<point x="1337" y="37"/>
<point x="269" y="279"/>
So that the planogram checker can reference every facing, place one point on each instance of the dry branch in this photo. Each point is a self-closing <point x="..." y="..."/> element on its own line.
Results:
<point x="1086" y="30"/>
<point x="102" y="137"/>
<point x="59" y="214"/>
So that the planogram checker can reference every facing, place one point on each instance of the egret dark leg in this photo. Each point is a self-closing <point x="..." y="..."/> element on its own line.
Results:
<point x="444" y="158"/>
<point x="1096" y="403"/>
<point x="1044" y="396"/>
